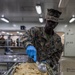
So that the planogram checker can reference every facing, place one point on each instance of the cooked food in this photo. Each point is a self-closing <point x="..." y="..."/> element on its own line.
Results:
<point x="27" y="69"/>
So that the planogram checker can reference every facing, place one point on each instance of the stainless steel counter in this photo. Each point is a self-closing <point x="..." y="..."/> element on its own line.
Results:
<point x="12" y="47"/>
<point x="13" y="58"/>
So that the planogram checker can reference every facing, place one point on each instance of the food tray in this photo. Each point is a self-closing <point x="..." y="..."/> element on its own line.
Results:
<point x="12" y="70"/>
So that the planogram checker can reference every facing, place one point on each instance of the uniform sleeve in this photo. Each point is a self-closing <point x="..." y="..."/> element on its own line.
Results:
<point x="58" y="48"/>
<point x="59" y="45"/>
<point x="29" y="36"/>
<point x="55" y="53"/>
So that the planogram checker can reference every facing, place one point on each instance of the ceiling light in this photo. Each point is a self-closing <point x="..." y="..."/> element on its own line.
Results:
<point x="3" y="32"/>
<point x="65" y="26"/>
<point x="73" y="15"/>
<point x="72" y="19"/>
<point x="14" y="25"/>
<point x="21" y="33"/>
<point x="38" y="9"/>
<point x="41" y="20"/>
<point x="59" y="3"/>
<point x="63" y="3"/>
<point x="18" y="32"/>
<point x="4" y="19"/>
<point x="8" y="33"/>
<point x="2" y="15"/>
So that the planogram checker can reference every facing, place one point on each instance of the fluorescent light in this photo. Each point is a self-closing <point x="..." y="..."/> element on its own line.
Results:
<point x="8" y="33"/>
<point x="73" y="15"/>
<point x="5" y="20"/>
<point x="41" y="20"/>
<point x="72" y="19"/>
<point x="14" y="25"/>
<point x="38" y="9"/>
<point x="59" y="3"/>
<point x="18" y="32"/>
<point x="2" y="15"/>
<point x="3" y="32"/>
<point x="21" y="33"/>
<point x="65" y="26"/>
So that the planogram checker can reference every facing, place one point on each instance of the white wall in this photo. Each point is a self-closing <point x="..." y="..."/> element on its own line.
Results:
<point x="60" y="27"/>
<point x="69" y="47"/>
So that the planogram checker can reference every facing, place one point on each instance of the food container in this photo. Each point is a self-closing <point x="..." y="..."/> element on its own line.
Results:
<point x="33" y="70"/>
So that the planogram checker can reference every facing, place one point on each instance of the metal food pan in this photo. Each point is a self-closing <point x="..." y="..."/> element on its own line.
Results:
<point x="11" y="70"/>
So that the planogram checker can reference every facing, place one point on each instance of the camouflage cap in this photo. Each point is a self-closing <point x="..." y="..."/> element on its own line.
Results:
<point x="53" y="15"/>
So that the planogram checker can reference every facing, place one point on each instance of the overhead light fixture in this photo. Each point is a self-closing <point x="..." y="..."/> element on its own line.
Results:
<point x="14" y="25"/>
<point x="73" y="15"/>
<point x="11" y="34"/>
<point x="2" y="15"/>
<point x="10" y="56"/>
<point x="18" y="32"/>
<point x="38" y="9"/>
<point x="72" y="20"/>
<point x="3" y="32"/>
<point x="4" y="19"/>
<point x="65" y="26"/>
<point x="59" y="3"/>
<point x="41" y="20"/>
<point x="63" y="3"/>
<point x="21" y="33"/>
<point x="7" y="33"/>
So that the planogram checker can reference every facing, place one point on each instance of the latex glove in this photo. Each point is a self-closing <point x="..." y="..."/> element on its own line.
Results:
<point x="31" y="52"/>
<point x="41" y="67"/>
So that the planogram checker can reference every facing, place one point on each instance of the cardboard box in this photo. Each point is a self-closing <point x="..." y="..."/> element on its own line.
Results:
<point x="67" y="64"/>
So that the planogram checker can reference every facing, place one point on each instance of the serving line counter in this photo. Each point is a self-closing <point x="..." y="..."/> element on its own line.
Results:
<point x="16" y="49"/>
<point x="9" y="60"/>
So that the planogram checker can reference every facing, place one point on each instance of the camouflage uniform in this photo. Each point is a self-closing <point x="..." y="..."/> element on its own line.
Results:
<point x="48" y="47"/>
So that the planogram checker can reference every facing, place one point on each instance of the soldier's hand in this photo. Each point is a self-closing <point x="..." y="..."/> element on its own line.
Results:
<point x="41" y="66"/>
<point x="31" y="52"/>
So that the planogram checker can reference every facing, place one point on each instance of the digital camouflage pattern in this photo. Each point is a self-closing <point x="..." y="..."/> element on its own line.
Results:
<point x="48" y="47"/>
